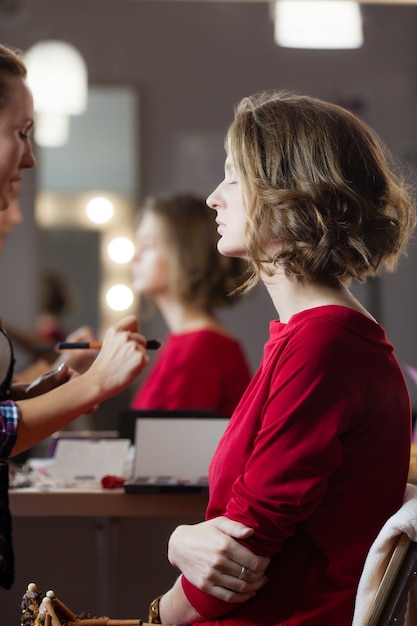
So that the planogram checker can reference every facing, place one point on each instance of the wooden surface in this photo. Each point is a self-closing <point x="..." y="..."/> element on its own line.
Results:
<point x="105" y="503"/>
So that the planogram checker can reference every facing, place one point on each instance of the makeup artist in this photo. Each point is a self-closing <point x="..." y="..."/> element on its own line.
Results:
<point x="31" y="418"/>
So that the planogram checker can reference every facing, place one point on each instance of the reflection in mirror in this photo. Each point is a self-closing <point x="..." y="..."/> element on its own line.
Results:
<point x="100" y="160"/>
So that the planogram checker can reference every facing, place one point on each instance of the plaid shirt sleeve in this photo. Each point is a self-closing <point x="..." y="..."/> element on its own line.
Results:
<point x="9" y="420"/>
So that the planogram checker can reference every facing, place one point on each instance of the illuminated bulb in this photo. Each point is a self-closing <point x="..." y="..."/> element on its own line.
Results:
<point x="121" y="250"/>
<point x="99" y="210"/>
<point x="119" y="297"/>
<point x="57" y="77"/>
<point x="321" y="24"/>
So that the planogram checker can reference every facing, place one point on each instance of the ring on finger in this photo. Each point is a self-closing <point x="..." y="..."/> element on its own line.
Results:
<point x="242" y="572"/>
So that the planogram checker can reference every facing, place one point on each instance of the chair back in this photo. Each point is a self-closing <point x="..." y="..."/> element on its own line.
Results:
<point x="386" y="593"/>
<point x="389" y="605"/>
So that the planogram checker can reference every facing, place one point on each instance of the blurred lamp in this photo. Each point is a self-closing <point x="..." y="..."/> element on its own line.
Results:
<point x="57" y="77"/>
<point x="321" y="24"/>
<point x="99" y="210"/>
<point x="119" y="297"/>
<point x="121" y="250"/>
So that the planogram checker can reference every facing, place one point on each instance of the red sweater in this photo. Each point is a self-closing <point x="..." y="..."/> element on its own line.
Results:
<point x="315" y="459"/>
<point x="203" y="369"/>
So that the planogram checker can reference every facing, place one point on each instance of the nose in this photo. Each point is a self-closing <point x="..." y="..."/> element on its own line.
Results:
<point x="28" y="161"/>
<point x="213" y="201"/>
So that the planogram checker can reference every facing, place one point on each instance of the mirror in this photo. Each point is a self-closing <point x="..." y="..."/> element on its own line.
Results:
<point x="100" y="160"/>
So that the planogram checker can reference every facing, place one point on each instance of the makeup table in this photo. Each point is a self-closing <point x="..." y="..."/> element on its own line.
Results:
<point x="103" y="503"/>
<point x="101" y="551"/>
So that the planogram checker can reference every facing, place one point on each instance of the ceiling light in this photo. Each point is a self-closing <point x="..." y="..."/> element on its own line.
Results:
<point x="321" y="24"/>
<point x="57" y="77"/>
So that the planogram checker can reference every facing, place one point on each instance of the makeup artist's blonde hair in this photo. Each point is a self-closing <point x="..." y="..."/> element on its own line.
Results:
<point x="11" y="64"/>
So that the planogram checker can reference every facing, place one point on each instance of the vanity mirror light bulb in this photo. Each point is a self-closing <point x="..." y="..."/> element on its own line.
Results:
<point x="119" y="297"/>
<point x="121" y="250"/>
<point x="99" y="210"/>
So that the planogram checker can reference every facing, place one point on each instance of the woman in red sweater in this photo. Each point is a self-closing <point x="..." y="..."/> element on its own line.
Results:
<point x="309" y="198"/>
<point x="201" y="365"/>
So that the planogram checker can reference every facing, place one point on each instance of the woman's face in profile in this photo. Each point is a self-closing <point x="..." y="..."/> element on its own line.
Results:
<point x="16" y="122"/>
<point x="152" y="263"/>
<point x="228" y="200"/>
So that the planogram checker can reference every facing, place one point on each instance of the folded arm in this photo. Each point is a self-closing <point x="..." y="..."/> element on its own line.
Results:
<point x="210" y="555"/>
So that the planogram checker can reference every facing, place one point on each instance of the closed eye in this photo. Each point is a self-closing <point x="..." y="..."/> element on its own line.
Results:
<point x="26" y="131"/>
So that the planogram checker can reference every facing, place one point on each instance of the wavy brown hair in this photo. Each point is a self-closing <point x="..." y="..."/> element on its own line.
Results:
<point x="201" y="275"/>
<point x="318" y="182"/>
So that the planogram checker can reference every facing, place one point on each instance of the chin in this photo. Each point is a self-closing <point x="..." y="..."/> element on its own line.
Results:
<point x="230" y="250"/>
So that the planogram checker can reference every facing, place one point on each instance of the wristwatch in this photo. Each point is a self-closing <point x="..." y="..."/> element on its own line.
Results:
<point x="154" y="617"/>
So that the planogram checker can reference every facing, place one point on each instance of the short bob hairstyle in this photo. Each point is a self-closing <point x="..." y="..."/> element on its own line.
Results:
<point x="318" y="188"/>
<point x="201" y="276"/>
<point x="11" y="64"/>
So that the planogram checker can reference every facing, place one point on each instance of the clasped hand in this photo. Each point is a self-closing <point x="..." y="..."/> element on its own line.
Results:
<point x="211" y="558"/>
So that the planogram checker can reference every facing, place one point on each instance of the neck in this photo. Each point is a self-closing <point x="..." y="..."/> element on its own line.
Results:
<point x="290" y="297"/>
<point x="181" y="317"/>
